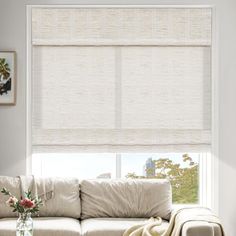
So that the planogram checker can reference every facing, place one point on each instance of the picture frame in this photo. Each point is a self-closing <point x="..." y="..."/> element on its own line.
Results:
<point x="7" y="77"/>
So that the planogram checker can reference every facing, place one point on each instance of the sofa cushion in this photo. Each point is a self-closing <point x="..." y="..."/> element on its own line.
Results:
<point x="13" y="185"/>
<point x="52" y="226"/>
<point x="111" y="226"/>
<point x="65" y="202"/>
<point x="66" y="199"/>
<point x="126" y="198"/>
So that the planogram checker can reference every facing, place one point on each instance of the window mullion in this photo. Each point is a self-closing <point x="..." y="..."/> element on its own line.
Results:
<point x="118" y="165"/>
<point x="118" y="107"/>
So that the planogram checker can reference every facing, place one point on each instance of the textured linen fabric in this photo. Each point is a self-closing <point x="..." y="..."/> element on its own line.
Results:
<point x="126" y="198"/>
<point x="149" y="112"/>
<point x="55" y="226"/>
<point x="121" y="26"/>
<point x="13" y="185"/>
<point x="111" y="226"/>
<point x="137" y="62"/>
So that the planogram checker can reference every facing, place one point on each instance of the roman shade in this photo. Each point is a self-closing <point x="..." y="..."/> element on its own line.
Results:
<point x="121" y="79"/>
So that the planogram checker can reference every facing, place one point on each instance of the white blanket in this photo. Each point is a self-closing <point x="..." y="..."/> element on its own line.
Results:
<point x="177" y="221"/>
<point x="150" y="228"/>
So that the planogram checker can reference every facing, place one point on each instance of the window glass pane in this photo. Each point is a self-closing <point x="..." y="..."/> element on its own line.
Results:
<point x="83" y="166"/>
<point x="181" y="169"/>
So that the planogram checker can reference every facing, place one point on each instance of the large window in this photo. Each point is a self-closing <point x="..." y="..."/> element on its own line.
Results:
<point x="184" y="171"/>
<point x="131" y="82"/>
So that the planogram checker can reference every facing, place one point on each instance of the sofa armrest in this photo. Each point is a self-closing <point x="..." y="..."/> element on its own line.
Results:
<point x="196" y="228"/>
<point x="195" y="221"/>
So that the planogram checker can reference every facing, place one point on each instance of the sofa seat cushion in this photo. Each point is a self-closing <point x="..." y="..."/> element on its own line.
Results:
<point x="45" y="226"/>
<point x="111" y="226"/>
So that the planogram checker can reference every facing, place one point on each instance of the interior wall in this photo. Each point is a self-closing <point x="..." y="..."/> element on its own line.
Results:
<point x="13" y="118"/>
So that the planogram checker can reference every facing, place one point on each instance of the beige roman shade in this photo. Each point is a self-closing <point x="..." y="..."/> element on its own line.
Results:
<point x="121" y="79"/>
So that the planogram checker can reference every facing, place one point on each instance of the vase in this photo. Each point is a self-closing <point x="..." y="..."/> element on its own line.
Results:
<point x="24" y="225"/>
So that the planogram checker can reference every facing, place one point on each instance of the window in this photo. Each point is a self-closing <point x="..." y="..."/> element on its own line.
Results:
<point x="133" y="83"/>
<point x="185" y="171"/>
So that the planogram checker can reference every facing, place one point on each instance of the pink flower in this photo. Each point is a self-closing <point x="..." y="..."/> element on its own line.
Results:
<point x="11" y="201"/>
<point x="27" y="203"/>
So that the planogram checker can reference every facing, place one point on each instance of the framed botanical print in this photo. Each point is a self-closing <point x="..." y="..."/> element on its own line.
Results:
<point x="7" y="78"/>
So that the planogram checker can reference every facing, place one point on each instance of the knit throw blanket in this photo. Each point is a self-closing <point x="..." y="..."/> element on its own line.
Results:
<point x="40" y="187"/>
<point x="152" y="227"/>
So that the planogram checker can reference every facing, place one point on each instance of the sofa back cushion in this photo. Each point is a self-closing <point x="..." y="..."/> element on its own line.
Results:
<point x="13" y="185"/>
<point x="64" y="202"/>
<point x="126" y="198"/>
<point x="66" y="199"/>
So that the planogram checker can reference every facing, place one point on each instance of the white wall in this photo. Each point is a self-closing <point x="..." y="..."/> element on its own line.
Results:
<point x="13" y="119"/>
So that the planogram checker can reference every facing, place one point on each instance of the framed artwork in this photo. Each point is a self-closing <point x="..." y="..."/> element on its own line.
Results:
<point x="7" y="78"/>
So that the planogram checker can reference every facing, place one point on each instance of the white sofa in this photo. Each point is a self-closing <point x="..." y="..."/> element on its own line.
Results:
<point x="99" y="208"/>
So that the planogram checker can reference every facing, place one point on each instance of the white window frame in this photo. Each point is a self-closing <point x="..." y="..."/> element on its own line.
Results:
<point x="209" y="191"/>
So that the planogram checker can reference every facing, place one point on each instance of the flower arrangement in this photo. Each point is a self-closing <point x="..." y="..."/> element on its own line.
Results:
<point x="28" y="204"/>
